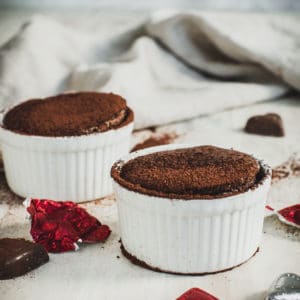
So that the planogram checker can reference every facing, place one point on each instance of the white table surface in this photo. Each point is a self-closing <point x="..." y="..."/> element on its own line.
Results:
<point x="96" y="272"/>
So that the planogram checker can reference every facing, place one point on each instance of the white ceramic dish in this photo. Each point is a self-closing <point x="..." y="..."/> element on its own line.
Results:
<point x="73" y="168"/>
<point x="190" y="236"/>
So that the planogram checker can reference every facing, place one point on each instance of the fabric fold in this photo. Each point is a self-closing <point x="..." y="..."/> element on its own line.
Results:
<point x="170" y="68"/>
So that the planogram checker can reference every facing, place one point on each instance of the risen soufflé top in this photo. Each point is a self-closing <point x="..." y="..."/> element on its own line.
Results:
<point x="71" y="114"/>
<point x="202" y="172"/>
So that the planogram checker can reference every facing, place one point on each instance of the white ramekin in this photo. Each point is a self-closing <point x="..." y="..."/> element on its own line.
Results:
<point x="190" y="236"/>
<point x="73" y="168"/>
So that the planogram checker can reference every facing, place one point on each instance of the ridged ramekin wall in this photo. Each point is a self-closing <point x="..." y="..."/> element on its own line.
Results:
<point x="73" y="168"/>
<point x="191" y="236"/>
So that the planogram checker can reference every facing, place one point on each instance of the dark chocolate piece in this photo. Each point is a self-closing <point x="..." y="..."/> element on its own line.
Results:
<point x="268" y="124"/>
<point x="19" y="256"/>
<point x="69" y="114"/>
<point x="202" y="172"/>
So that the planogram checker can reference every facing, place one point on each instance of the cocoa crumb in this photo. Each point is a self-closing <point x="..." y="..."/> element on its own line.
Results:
<point x="290" y="168"/>
<point x="6" y="195"/>
<point x="163" y="139"/>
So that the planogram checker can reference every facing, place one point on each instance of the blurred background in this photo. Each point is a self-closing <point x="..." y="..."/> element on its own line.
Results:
<point x="244" y="5"/>
<point x="13" y="13"/>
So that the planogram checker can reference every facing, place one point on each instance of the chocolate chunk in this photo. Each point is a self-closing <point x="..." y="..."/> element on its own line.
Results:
<point x="19" y="256"/>
<point x="268" y="124"/>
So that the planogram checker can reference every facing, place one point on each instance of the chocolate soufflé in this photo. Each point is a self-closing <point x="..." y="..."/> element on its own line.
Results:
<point x="203" y="172"/>
<point x="71" y="114"/>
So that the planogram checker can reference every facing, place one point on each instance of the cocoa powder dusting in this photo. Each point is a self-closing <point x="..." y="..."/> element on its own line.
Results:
<point x="203" y="172"/>
<point x="6" y="195"/>
<point x="164" y="139"/>
<point x="69" y="114"/>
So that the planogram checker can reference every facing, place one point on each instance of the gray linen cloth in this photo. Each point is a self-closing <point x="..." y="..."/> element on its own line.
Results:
<point x="171" y="67"/>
